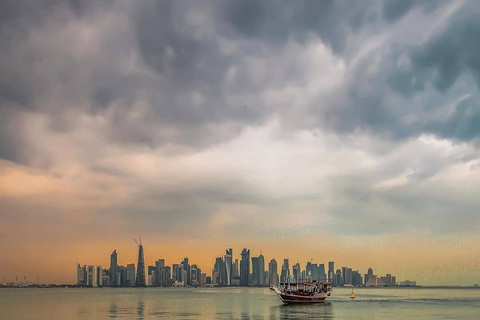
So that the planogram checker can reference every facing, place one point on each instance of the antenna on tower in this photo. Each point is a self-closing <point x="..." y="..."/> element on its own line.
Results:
<point x="136" y="242"/>
<point x="139" y="237"/>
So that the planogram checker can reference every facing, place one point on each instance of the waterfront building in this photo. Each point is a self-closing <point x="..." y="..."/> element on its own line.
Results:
<point x="309" y="271"/>
<point x="91" y="278"/>
<point x="321" y="273"/>
<point x="203" y="280"/>
<point x="130" y="279"/>
<point x="81" y="275"/>
<point x="331" y="270"/>
<point x="235" y="272"/>
<point x="245" y="268"/>
<point x="113" y="269"/>
<point x="186" y="272"/>
<point x="273" y="273"/>
<point x="255" y="272"/>
<point x="356" y="279"/>
<point x="140" y="279"/>
<point x="151" y="275"/>
<point x="296" y="272"/>
<point x="99" y="276"/>
<point x="228" y="266"/>
<point x="338" y="278"/>
<point x="285" y="274"/>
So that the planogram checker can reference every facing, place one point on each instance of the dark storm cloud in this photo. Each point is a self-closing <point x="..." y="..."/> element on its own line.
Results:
<point x="147" y="75"/>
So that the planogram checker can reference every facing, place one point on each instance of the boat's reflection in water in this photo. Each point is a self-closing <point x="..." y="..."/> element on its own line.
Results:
<point x="302" y="311"/>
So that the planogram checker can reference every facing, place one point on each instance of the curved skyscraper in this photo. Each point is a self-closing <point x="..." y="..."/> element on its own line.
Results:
<point x="228" y="266"/>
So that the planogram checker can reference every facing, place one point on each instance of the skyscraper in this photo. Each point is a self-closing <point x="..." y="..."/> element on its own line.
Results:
<point x="296" y="272"/>
<point x="321" y="272"/>
<point x="81" y="275"/>
<point x="130" y="275"/>
<point x="245" y="268"/>
<point x="186" y="272"/>
<point x="228" y="266"/>
<point x="261" y="270"/>
<point x="235" y="272"/>
<point x="140" y="279"/>
<point x="273" y="272"/>
<point x="255" y="272"/>
<point x="285" y="271"/>
<point x="113" y="269"/>
<point x="331" y="271"/>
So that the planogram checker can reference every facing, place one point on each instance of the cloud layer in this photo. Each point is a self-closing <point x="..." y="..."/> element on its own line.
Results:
<point x="227" y="121"/>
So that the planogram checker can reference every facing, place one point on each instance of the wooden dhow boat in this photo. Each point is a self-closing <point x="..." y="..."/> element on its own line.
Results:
<point x="303" y="291"/>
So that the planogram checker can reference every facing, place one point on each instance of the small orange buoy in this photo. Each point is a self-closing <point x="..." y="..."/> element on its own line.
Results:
<point x="352" y="295"/>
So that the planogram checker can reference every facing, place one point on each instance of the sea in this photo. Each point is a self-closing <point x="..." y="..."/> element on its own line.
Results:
<point x="235" y="303"/>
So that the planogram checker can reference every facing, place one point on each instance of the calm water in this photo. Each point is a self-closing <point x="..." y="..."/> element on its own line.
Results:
<point x="234" y="303"/>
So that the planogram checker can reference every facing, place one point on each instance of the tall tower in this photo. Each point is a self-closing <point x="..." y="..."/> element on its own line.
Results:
<point x="113" y="269"/>
<point x="140" y="279"/>
<point x="228" y="265"/>
<point x="245" y="268"/>
<point x="272" y="272"/>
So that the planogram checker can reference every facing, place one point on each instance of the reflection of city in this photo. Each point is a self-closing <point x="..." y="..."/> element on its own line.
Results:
<point x="140" y="310"/>
<point x="112" y="312"/>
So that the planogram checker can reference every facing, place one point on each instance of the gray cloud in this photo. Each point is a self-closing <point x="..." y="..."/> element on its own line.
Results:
<point x="173" y="77"/>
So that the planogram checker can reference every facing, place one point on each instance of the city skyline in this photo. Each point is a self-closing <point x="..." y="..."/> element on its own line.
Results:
<point x="302" y="129"/>
<point x="252" y="272"/>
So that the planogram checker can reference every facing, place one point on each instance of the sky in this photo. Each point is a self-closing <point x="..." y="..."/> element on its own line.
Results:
<point x="338" y="131"/>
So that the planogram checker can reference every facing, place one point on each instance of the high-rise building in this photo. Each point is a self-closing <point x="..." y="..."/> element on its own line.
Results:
<point x="113" y="269"/>
<point x="331" y="271"/>
<point x="261" y="270"/>
<point x="356" y="279"/>
<point x="99" y="276"/>
<point x="309" y="271"/>
<point x="151" y="275"/>
<point x="140" y="279"/>
<point x="130" y="275"/>
<point x="255" y="272"/>
<point x="228" y="266"/>
<point x="296" y="272"/>
<point x="81" y="275"/>
<point x="91" y="278"/>
<point x="186" y="272"/>
<point x="285" y="274"/>
<point x="321" y="272"/>
<point x="245" y="268"/>
<point x="338" y="278"/>
<point x="235" y="272"/>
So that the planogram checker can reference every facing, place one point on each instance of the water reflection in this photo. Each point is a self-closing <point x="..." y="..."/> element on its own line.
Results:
<point x="112" y="312"/>
<point x="293" y="312"/>
<point x="140" y="310"/>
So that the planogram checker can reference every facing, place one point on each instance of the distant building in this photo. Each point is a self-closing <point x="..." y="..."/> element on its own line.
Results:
<point x="228" y="266"/>
<point x="321" y="273"/>
<point x="186" y="272"/>
<point x="245" y="268"/>
<point x="130" y="281"/>
<point x="81" y="275"/>
<point x="338" y="278"/>
<point x="331" y="271"/>
<point x="151" y="275"/>
<point x="113" y="269"/>
<point x="296" y="272"/>
<point x="235" y="266"/>
<point x="408" y="283"/>
<point x="273" y="273"/>
<point x="356" y="279"/>
<point x="91" y="278"/>
<point x="285" y="274"/>
<point x="140" y="279"/>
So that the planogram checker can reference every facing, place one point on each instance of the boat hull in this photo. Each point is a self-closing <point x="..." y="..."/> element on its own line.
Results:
<point x="292" y="299"/>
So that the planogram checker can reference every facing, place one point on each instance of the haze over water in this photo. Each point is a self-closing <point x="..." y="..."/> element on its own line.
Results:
<point x="234" y="303"/>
